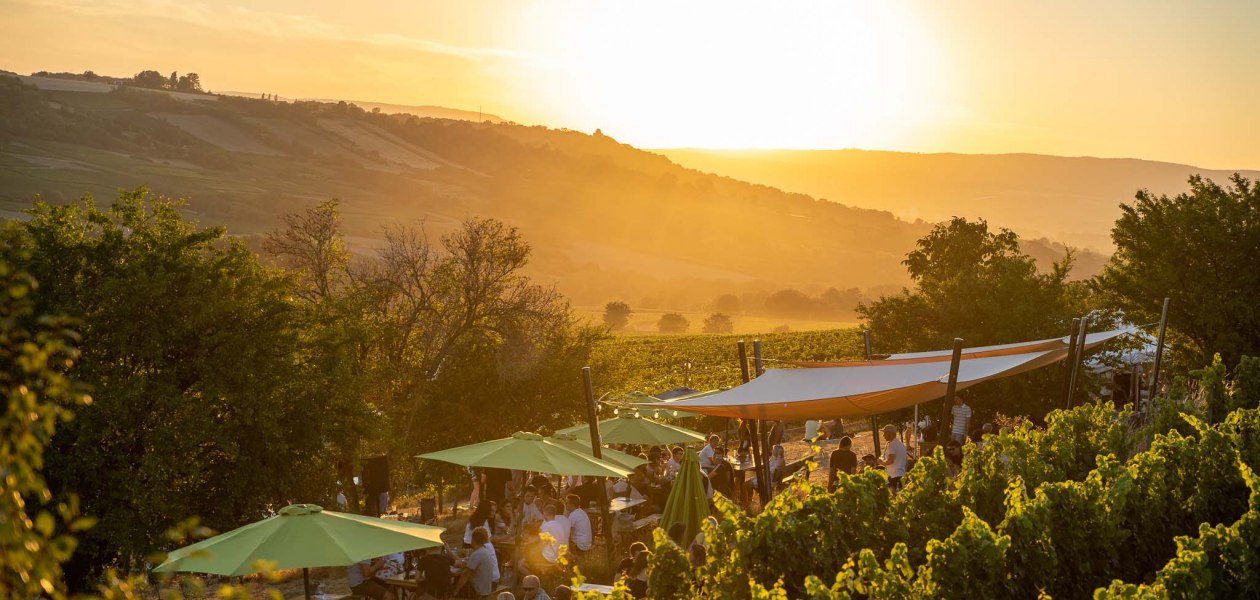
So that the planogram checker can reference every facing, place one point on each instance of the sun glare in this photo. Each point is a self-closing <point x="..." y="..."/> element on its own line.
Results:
<point x="783" y="75"/>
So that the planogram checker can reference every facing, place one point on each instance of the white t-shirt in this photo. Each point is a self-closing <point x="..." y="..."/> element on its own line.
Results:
<point x="706" y="458"/>
<point x="672" y="467"/>
<point x="559" y="531"/>
<point x="897" y="451"/>
<point x="530" y="513"/>
<point x="580" y="534"/>
<point x="962" y="414"/>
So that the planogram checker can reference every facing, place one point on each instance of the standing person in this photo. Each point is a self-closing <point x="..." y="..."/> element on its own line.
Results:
<point x="706" y="453"/>
<point x="894" y="457"/>
<point x="581" y="536"/>
<point x="494" y="484"/>
<point x="962" y="419"/>
<point x="775" y="435"/>
<point x="843" y="460"/>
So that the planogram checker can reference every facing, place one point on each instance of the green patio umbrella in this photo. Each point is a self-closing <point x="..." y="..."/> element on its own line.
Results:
<point x="583" y="445"/>
<point x="630" y="428"/>
<point x="302" y="536"/>
<point x="529" y="452"/>
<point x="688" y="503"/>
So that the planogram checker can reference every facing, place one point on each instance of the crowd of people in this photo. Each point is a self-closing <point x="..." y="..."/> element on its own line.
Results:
<point x="535" y="519"/>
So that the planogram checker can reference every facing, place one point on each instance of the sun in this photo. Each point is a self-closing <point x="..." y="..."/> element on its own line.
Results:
<point x="799" y="75"/>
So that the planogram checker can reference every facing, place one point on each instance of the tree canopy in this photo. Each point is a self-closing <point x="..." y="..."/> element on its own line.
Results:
<point x="975" y="284"/>
<point x="1199" y="249"/>
<point x="192" y="350"/>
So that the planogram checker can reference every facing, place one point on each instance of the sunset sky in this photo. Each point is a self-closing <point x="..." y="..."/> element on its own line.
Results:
<point x="1158" y="79"/>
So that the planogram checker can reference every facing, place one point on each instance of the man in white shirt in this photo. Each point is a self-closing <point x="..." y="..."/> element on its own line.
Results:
<point x="581" y="537"/>
<point x="962" y="419"/>
<point x="675" y="462"/>
<point x="894" y="457"/>
<point x="706" y="453"/>
<point x="529" y="507"/>
<point x="545" y="554"/>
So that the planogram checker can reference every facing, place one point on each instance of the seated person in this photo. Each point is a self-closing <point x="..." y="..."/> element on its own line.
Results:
<point x="363" y="580"/>
<point x="436" y="567"/>
<point x="777" y="462"/>
<point x="707" y="452"/>
<point x="481" y="566"/>
<point x="722" y="476"/>
<point x="545" y="555"/>
<point x="580" y="533"/>
<point x="531" y="589"/>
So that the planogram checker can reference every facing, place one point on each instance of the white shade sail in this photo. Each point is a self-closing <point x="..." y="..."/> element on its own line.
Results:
<point x="871" y="389"/>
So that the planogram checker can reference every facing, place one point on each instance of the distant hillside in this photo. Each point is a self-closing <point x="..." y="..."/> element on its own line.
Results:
<point x="607" y="221"/>
<point x="1071" y="200"/>
<point x="435" y="112"/>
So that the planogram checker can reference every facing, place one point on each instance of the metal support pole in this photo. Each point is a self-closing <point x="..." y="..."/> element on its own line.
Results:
<point x="1078" y="360"/>
<point x="947" y="424"/>
<point x="866" y="341"/>
<point x="762" y="459"/>
<point x="1071" y="360"/>
<point x="1159" y="350"/>
<point x="593" y="419"/>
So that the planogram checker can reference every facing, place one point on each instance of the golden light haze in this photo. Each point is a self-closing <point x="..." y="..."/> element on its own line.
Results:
<point x="1158" y="79"/>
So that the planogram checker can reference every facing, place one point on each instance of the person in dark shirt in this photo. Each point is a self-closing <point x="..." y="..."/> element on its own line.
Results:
<point x="496" y="481"/>
<point x="842" y="460"/>
<point x="436" y="566"/>
<point x="723" y="476"/>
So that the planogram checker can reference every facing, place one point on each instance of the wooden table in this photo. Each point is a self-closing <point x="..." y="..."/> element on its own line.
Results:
<point x="620" y="504"/>
<point x="403" y="586"/>
<point x="605" y="590"/>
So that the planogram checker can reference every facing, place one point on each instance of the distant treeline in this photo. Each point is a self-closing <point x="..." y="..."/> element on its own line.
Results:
<point x="188" y="82"/>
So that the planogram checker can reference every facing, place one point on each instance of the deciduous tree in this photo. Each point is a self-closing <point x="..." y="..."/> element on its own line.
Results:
<point x="1198" y="248"/>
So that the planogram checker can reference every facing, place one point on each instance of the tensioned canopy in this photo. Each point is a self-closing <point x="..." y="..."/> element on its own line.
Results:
<point x="874" y="388"/>
<point x="1060" y="343"/>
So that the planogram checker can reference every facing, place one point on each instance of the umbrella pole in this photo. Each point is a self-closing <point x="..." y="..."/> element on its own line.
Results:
<point x="306" y="582"/>
<point x="595" y="449"/>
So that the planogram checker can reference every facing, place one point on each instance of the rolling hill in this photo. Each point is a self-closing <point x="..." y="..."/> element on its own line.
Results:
<point x="607" y="221"/>
<point x="1070" y="200"/>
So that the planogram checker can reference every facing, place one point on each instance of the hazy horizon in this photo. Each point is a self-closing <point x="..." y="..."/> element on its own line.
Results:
<point x="1122" y="79"/>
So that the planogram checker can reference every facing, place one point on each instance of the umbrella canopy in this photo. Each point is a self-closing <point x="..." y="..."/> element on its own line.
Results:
<point x="529" y="452"/>
<point x="630" y="428"/>
<point x="687" y="501"/>
<point x="573" y="442"/>
<point x="299" y="537"/>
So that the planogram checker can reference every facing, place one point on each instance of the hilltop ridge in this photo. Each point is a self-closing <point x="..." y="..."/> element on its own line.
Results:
<point x="607" y="221"/>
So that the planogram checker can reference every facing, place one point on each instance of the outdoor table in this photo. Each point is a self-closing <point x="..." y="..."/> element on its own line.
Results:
<point x="596" y="588"/>
<point x="620" y="504"/>
<point x="402" y="585"/>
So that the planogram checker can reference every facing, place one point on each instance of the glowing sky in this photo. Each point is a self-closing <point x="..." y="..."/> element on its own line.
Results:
<point x="1159" y="79"/>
